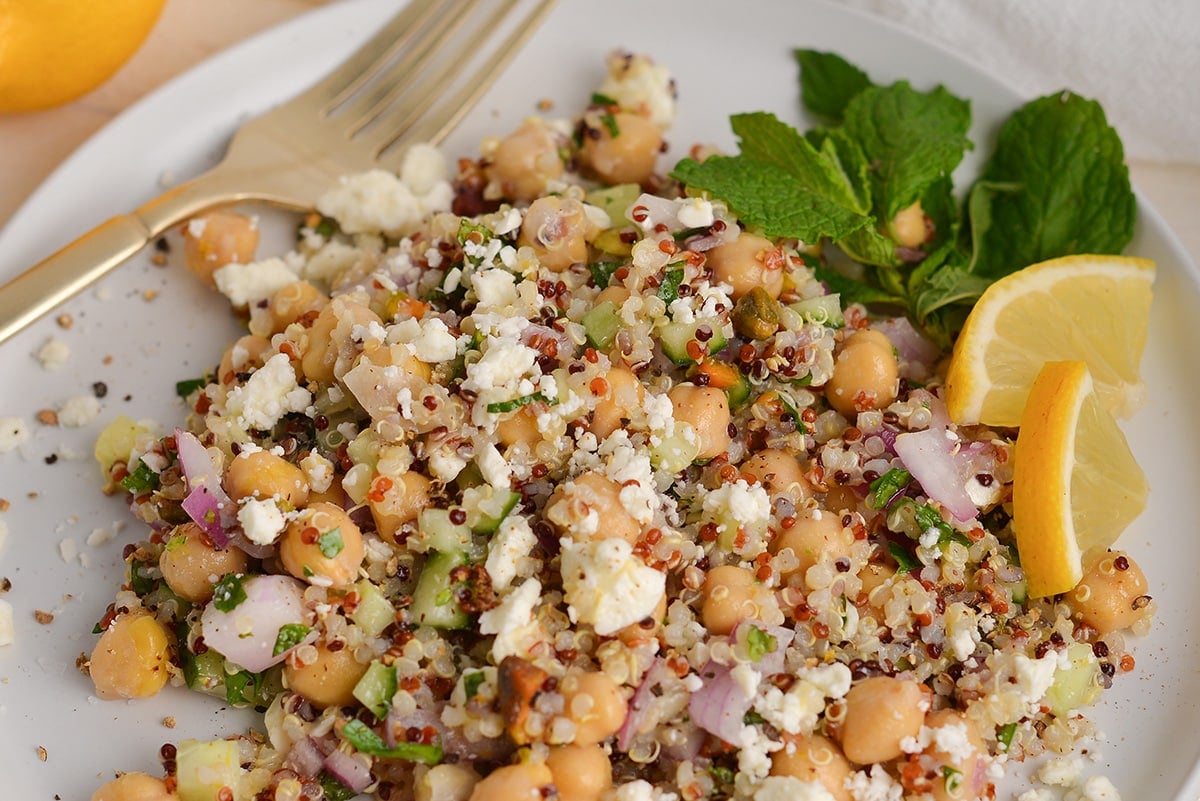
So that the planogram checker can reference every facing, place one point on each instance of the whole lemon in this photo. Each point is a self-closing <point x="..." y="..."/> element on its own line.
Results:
<point x="53" y="51"/>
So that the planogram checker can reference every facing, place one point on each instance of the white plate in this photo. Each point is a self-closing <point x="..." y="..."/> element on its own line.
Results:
<point x="727" y="58"/>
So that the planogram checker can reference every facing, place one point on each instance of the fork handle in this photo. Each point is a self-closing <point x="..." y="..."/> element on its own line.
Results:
<point x="39" y="289"/>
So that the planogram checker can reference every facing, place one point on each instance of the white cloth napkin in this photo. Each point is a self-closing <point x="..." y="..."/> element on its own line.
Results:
<point x="1139" y="58"/>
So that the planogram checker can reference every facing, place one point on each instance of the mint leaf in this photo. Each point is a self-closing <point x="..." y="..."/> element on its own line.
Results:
<point x="763" y="137"/>
<point x="1074" y="197"/>
<point x="828" y="82"/>
<point x="911" y="139"/>
<point x="366" y="741"/>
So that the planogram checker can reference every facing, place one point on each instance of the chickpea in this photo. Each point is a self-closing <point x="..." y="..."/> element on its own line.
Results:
<point x="217" y="238"/>
<point x="581" y="772"/>
<point x="729" y="597"/>
<point x="262" y="475"/>
<point x="191" y="564"/>
<point x="813" y="758"/>
<point x="746" y="263"/>
<point x="520" y="426"/>
<point x="840" y="499"/>
<point x="810" y="537"/>
<point x="626" y="158"/>
<point x="780" y="473"/>
<point x="910" y="227"/>
<point x="874" y="576"/>
<point x="294" y="301"/>
<point x="446" y="782"/>
<point x="595" y="703"/>
<point x="330" y="338"/>
<point x="134" y="787"/>
<point x="400" y="356"/>
<point x="245" y="353"/>
<point x="880" y="712"/>
<point x="571" y="508"/>
<point x="625" y="393"/>
<point x="616" y="294"/>
<point x="322" y="545"/>
<point x="970" y="782"/>
<point x="396" y="501"/>
<point x="647" y="628"/>
<point x="1106" y="598"/>
<point x="706" y="410"/>
<point x="557" y="228"/>
<point x="327" y="681"/>
<point x="865" y="375"/>
<point x="131" y="658"/>
<point x="524" y="781"/>
<point x="525" y="161"/>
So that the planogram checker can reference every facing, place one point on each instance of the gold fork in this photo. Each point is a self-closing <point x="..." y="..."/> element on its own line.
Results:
<point x="410" y="83"/>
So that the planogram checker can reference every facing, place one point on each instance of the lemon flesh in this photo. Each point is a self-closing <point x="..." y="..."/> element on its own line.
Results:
<point x="1076" y="484"/>
<point x="1092" y="308"/>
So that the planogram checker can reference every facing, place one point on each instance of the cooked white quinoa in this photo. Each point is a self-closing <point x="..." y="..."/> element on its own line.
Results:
<point x="604" y="487"/>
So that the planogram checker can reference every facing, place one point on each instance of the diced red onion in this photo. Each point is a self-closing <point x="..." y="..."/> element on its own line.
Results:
<point x="658" y="211"/>
<point x="720" y="705"/>
<point x="929" y="456"/>
<point x="771" y="662"/>
<point x="704" y="242"/>
<point x="304" y="757"/>
<point x="911" y="345"/>
<point x="246" y="634"/>
<point x="257" y="550"/>
<point x="689" y="748"/>
<point x="348" y="770"/>
<point x="206" y="502"/>
<point x="641" y="700"/>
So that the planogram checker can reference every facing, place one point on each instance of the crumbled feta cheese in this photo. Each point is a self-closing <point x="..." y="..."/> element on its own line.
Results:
<point x="641" y="790"/>
<point x="435" y="342"/>
<point x="738" y="504"/>
<point x="798" y="710"/>
<point x="962" y="632"/>
<point x="607" y="586"/>
<point x="377" y="200"/>
<point x="513" y="540"/>
<point x="79" y="411"/>
<point x="1034" y="676"/>
<point x="247" y="284"/>
<point x="1060" y="771"/>
<point x="53" y="353"/>
<point x="318" y="470"/>
<point x="504" y="362"/>
<point x="7" y="631"/>
<point x="874" y="784"/>
<point x="492" y="465"/>
<point x="754" y="758"/>
<point x="695" y="212"/>
<point x="261" y="520"/>
<point x="13" y="432"/>
<point x="746" y="677"/>
<point x="640" y="85"/>
<point x="1096" y="788"/>
<point x="271" y="392"/>
<point x="1037" y="794"/>
<point x="789" y="788"/>
<point x="513" y="622"/>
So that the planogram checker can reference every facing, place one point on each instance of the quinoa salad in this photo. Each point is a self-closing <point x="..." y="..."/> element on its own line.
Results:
<point x="539" y="474"/>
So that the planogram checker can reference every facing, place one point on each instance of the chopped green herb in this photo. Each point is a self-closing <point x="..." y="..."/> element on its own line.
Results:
<point x="467" y="230"/>
<point x="610" y="122"/>
<point x="228" y="593"/>
<point x="366" y="741"/>
<point x="721" y="774"/>
<point x="290" y="635"/>
<point x="326" y="227"/>
<point x="516" y="403"/>
<point x="331" y="543"/>
<point x="244" y="688"/>
<point x="752" y="718"/>
<point x="602" y="272"/>
<point x="929" y="518"/>
<point x="1005" y="734"/>
<point x="472" y="682"/>
<point x="668" y="290"/>
<point x="334" y="790"/>
<point x="904" y="559"/>
<point x="599" y="99"/>
<point x="759" y="643"/>
<point x="141" y="480"/>
<point x="188" y="386"/>
<point x="953" y="779"/>
<point x="139" y="582"/>
<point x="884" y="488"/>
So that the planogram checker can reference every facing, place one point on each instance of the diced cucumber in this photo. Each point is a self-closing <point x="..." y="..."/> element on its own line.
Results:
<point x="374" y="612"/>
<point x="491" y="506"/>
<point x="376" y="688"/>
<point x="676" y="452"/>
<point x="1077" y="684"/>
<point x="433" y="602"/>
<point x="601" y="324"/>
<point x="615" y="200"/>
<point x="823" y="309"/>
<point x="676" y="336"/>
<point x="439" y="533"/>
<point x="202" y="770"/>
<point x="203" y="672"/>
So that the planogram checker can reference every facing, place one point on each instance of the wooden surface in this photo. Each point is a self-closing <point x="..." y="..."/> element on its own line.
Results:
<point x="191" y="30"/>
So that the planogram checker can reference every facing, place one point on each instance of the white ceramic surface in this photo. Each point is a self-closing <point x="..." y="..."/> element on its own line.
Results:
<point x="727" y="58"/>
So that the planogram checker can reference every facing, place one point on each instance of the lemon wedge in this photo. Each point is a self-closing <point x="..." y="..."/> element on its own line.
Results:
<point x="1076" y="485"/>
<point x="1094" y="308"/>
